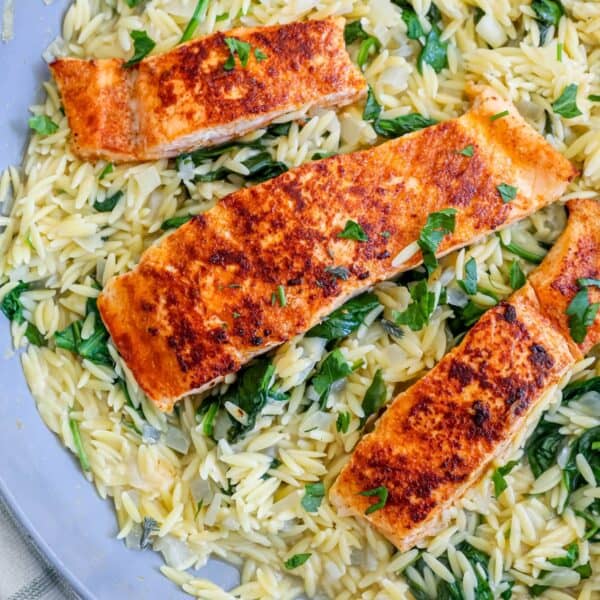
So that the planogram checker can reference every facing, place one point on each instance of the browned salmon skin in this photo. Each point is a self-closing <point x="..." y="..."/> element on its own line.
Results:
<point x="199" y="304"/>
<point x="438" y="437"/>
<point x="185" y="98"/>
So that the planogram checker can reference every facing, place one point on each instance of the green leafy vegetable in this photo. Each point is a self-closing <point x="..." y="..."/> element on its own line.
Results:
<point x="469" y="283"/>
<point x="353" y="231"/>
<point x="507" y="192"/>
<point x="108" y="169"/>
<point x="434" y="52"/>
<point x="108" y="203"/>
<point x="333" y="368"/>
<point x="346" y="319"/>
<point x="133" y="3"/>
<point x="197" y="17"/>
<point x="353" y="32"/>
<point x="588" y="281"/>
<point x="498" y="477"/>
<point x="252" y="390"/>
<point x="242" y="49"/>
<point x="343" y="422"/>
<point x="543" y="446"/>
<point x="569" y="559"/>
<point x="338" y="272"/>
<point x="313" y="496"/>
<point x="375" y="397"/>
<point x="175" y="222"/>
<point x="205" y="415"/>
<point x="499" y="115"/>
<point x="548" y="13"/>
<point x="572" y="478"/>
<point x="43" y="125"/>
<point x="418" y="312"/>
<point x="414" y="31"/>
<point x="581" y="315"/>
<point x="594" y="98"/>
<point x="372" y="108"/>
<point x="94" y="348"/>
<point x="261" y="167"/>
<point x="438" y="225"/>
<point x="391" y="128"/>
<point x="13" y="310"/>
<point x="322" y="154"/>
<point x="259" y="55"/>
<point x="566" y="104"/>
<point x="364" y="50"/>
<point x="83" y="459"/>
<point x="381" y="493"/>
<point x="517" y="277"/>
<point x="297" y="560"/>
<point x="142" y="46"/>
<point x="523" y="253"/>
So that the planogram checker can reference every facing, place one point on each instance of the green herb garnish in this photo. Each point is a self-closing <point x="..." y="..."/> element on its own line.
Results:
<point x="343" y="422"/>
<point x="469" y="283"/>
<point x="380" y="492"/>
<point x="467" y="151"/>
<point x="297" y="560"/>
<point x="175" y="222"/>
<point x="333" y="368"/>
<point x="391" y="128"/>
<point x="548" y="13"/>
<point x="198" y="16"/>
<point x="517" y="277"/>
<point x="372" y="108"/>
<point x="142" y="46"/>
<point x="13" y="310"/>
<point x="108" y="203"/>
<point x="353" y="231"/>
<point x="507" y="192"/>
<point x="581" y="315"/>
<point x="434" y="52"/>
<point x="566" y="104"/>
<point x="438" y="225"/>
<point x="418" y="312"/>
<point x="414" y="31"/>
<point x="43" y="125"/>
<point x="498" y="477"/>
<point x="313" y="496"/>
<point x="242" y="49"/>
<point x="375" y="397"/>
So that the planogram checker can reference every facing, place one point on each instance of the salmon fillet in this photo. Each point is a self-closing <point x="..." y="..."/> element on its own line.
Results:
<point x="174" y="102"/>
<point x="439" y="436"/>
<point x="199" y="304"/>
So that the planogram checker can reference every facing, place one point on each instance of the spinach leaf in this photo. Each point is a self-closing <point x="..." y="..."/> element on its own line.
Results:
<point x="346" y="319"/>
<point x="523" y="253"/>
<point x="434" y="52"/>
<point x="297" y="560"/>
<point x="343" y="422"/>
<point x="353" y="32"/>
<point x="581" y="315"/>
<point x="43" y="125"/>
<point x="584" y="445"/>
<point x="333" y="368"/>
<point x="548" y="14"/>
<point x="94" y="348"/>
<point x="569" y="559"/>
<point x="391" y="128"/>
<point x="142" y="46"/>
<point x="414" y="31"/>
<point x="313" y="496"/>
<point x="498" y="477"/>
<point x="242" y="49"/>
<point x="13" y="310"/>
<point x="372" y="108"/>
<point x="418" y="312"/>
<point x="252" y="390"/>
<point x="543" y="446"/>
<point x="507" y="192"/>
<point x="578" y="388"/>
<point x="108" y="203"/>
<point x="364" y="49"/>
<point x="375" y="397"/>
<point x="438" y="225"/>
<point x="566" y="104"/>
<point x="175" y="222"/>
<point x="469" y="283"/>
<point x="517" y="277"/>
<point x="261" y="167"/>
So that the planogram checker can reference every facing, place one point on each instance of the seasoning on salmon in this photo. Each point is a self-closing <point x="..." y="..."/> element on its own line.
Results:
<point x="199" y="305"/>
<point x="203" y="92"/>
<point x="438" y="437"/>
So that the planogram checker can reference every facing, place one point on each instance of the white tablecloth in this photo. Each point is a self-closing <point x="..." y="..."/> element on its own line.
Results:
<point x="24" y="574"/>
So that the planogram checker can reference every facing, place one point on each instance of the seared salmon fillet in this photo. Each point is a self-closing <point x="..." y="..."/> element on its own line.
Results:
<point x="186" y="98"/>
<point x="199" y="305"/>
<point x="439" y="436"/>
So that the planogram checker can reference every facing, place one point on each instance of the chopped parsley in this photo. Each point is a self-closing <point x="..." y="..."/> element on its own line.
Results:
<point x="261" y="167"/>
<point x="313" y="496"/>
<point x="507" y="192"/>
<point x="175" y="222"/>
<point x="375" y="397"/>
<point x="297" y="560"/>
<point x="108" y="203"/>
<point x="581" y="314"/>
<point x="343" y="422"/>
<point x="333" y="368"/>
<point x="142" y="46"/>
<point x="242" y="49"/>
<point x="418" y="312"/>
<point x="346" y="319"/>
<point x="381" y="493"/>
<point x="438" y="225"/>
<point x="197" y="17"/>
<point x="43" y="125"/>
<point x="498" y="477"/>
<point x="469" y="283"/>
<point x="566" y="104"/>
<point x="353" y="231"/>
<point x="499" y="115"/>
<point x="467" y="151"/>
<point x="108" y="169"/>
<point x="338" y="272"/>
<point x="516" y="276"/>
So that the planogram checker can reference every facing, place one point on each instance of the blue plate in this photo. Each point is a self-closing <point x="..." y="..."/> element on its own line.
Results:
<point x="40" y="480"/>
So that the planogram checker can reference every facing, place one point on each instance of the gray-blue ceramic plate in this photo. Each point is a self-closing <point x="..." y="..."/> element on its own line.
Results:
<point x="39" y="479"/>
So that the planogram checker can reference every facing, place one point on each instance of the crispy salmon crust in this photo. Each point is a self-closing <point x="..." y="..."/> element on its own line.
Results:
<point x="438" y="437"/>
<point x="199" y="304"/>
<point x="183" y="99"/>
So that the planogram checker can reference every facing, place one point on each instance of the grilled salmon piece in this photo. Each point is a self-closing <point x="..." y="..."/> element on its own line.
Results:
<point x="438" y="437"/>
<point x="199" y="304"/>
<point x="575" y="255"/>
<point x="184" y="99"/>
